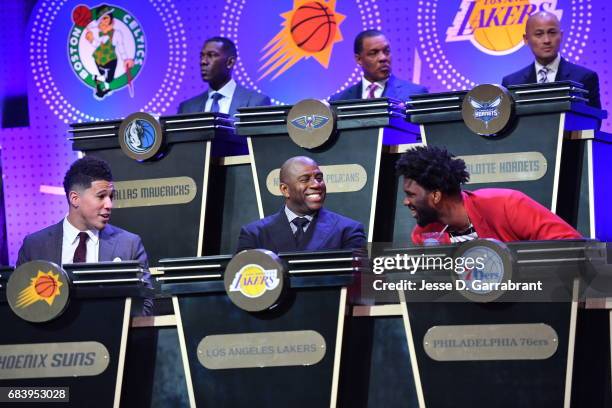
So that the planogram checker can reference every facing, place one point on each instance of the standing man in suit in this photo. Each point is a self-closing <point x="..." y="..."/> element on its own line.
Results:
<point x="302" y="224"/>
<point x="543" y="35"/>
<point x="373" y="55"/>
<point x="223" y="95"/>
<point x="85" y="234"/>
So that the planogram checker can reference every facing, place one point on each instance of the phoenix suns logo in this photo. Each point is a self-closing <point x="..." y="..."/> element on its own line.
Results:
<point x="496" y="27"/>
<point x="106" y="48"/>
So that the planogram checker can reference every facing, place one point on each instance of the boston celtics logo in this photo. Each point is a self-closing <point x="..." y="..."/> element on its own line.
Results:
<point x="106" y="48"/>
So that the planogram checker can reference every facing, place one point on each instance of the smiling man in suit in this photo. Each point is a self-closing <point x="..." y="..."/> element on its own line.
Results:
<point x="302" y="224"/>
<point x="373" y="55"/>
<point x="224" y="95"/>
<point x="85" y="234"/>
<point x="543" y="35"/>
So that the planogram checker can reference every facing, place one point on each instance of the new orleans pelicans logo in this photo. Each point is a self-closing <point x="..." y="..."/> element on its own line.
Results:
<point x="310" y="30"/>
<point x="485" y="111"/>
<point x="106" y="48"/>
<point x="310" y="122"/>
<point x="496" y="27"/>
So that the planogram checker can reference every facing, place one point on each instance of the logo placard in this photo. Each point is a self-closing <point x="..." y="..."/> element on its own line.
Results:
<point x="140" y="136"/>
<point x="255" y="280"/>
<point x="38" y="291"/>
<point x="487" y="109"/>
<point x="310" y="123"/>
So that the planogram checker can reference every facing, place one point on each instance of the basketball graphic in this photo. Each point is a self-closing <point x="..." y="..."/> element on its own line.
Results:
<point x="313" y="27"/>
<point x="497" y="33"/>
<point x="81" y="16"/>
<point x="45" y="286"/>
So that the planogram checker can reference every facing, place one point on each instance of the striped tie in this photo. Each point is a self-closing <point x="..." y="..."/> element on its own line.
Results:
<point x="543" y="75"/>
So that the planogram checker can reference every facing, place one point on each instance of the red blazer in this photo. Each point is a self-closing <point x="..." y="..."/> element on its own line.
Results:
<point x="503" y="214"/>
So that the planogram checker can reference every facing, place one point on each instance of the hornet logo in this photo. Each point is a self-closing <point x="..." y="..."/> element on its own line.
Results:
<point x="486" y="111"/>
<point x="310" y="122"/>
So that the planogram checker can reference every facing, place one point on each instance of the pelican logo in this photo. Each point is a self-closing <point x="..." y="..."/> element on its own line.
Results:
<point x="310" y="122"/>
<point x="38" y="291"/>
<point x="487" y="109"/>
<point x="255" y="280"/>
<point x="106" y="48"/>
<point x="140" y="136"/>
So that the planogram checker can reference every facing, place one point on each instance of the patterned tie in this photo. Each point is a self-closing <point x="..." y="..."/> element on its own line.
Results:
<point x="80" y="254"/>
<point x="300" y="223"/>
<point x="215" y="105"/>
<point x="372" y="89"/>
<point x="543" y="75"/>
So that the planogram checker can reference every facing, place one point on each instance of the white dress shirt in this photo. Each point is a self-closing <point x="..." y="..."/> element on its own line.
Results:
<point x="365" y="84"/>
<point x="71" y="241"/>
<point x="553" y="67"/>
<point x="224" y="103"/>
<point x="291" y="216"/>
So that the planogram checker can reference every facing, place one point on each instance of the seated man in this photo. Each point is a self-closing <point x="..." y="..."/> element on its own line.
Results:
<point x="85" y="235"/>
<point x="302" y="223"/>
<point x="373" y="55"/>
<point x="445" y="214"/>
<point x="543" y="35"/>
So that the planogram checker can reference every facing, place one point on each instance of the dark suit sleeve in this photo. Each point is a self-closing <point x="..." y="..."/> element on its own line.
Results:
<point x="505" y="82"/>
<point x="24" y="253"/>
<point x="247" y="239"/>
<point x="591" y="83"/>
<point x="181" y="108"/>
<point x="354" y="236"/>
<point x="139" y="254"/>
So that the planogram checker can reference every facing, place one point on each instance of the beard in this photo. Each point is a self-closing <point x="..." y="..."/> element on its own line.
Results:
<point x="425" y="216"/>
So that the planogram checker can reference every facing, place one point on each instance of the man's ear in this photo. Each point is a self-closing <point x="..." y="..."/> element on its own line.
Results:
<point x="284" y="188"/>
<point x="74" y="199"/>
<point x="231" y="61"/>
<point x="436" y="197"/>
<point x="358" y="60"/>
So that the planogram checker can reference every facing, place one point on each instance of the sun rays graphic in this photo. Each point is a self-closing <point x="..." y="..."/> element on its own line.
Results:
<point x="310" y="30"/>
<point x="45" y="286"/>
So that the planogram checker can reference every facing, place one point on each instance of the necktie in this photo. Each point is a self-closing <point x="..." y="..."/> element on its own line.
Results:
<point x="80" y="254"/>
<point x="300" y="223"/>
<point x="215" y="105"/>
<point x="371" y="89"/>
<point x="542" y="75"/>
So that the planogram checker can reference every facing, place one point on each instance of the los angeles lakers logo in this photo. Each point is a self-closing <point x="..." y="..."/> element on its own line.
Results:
<point x="38" y="291"/>
<point x="254" y="280"/>
<point x="106" y="48"/>
<point x="310" y="30"/>
<point x="496" y="27"/>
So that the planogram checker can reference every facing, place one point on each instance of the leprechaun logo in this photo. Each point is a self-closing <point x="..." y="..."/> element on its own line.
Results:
<point x="106" y="48"/>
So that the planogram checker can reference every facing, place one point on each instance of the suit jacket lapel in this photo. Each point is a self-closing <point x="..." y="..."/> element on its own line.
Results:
<point x="389" y="90"/>
<point x="237" y="101"/>
<point x="107" y="244"/>
<point x="281" y="234"/>
<point x="56" y="240"/>
<point x="563" y="71"/>
<point x="530" y="75"/>
<point x="323" y="227"/>
<point x="204" y="99"/>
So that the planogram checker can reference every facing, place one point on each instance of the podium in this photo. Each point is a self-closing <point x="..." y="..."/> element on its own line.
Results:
<point x="358" y="173"/>
<point x="84" y="347"/>
<point x="159" y="196"/>
<point x="551" y="150"/>
<point x="523" y="348"/>
<point x="233" y="357"/>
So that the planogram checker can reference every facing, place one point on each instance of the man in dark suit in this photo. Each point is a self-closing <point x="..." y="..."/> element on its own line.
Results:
<point x="85" y="235"/>
<point x="543" y="35"/>
<point x="373" y="55"/>
<point x="302" y="224"/>
<point x="224" y="95"/>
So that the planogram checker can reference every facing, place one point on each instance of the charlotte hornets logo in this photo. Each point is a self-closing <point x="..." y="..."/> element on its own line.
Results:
<point x="310" y="122"/>
<point x="486" y="111"/>
<point x="106" y="48"/>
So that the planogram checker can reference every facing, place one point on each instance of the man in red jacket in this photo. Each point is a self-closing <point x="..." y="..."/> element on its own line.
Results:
<point x="445" y="214"/>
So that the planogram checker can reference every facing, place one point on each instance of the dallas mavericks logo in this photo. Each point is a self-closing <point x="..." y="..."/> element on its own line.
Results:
<point x="139" y="136"/>
<point x="106" y="48"/>
<point x="486" y="111"/>
<point x="310" y="122"/>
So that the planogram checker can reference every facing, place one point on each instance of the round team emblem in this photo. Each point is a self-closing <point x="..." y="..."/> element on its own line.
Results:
<point x="255" y="280"/>
<point x="487" y="109"/>
<point x="140" y="136"/>
<point x="38" y="291"/>
<point x="310" y="123"/>
<point x="106" y="48"/>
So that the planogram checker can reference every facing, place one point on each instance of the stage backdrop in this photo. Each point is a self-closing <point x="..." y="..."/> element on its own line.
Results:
<point x="55" y="70"/>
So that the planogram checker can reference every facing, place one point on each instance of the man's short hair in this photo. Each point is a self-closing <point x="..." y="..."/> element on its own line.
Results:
<point x="358" y="45"/>
<point x="228" y="45"/>
<point x="433" y="168"/>
<point x="85" y="171"/>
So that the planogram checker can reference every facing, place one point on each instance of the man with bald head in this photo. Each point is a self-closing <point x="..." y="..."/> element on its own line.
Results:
<point x="543" y="35"/>
<point x="302" y="224"/>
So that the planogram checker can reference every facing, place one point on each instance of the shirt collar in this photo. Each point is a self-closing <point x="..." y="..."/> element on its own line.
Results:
<point x="553" y="67"/>
<point x="226" y="90"/>
<point x="367" y="83"/>
<point x="291" y="215"/>
<point x="72" y="233"/>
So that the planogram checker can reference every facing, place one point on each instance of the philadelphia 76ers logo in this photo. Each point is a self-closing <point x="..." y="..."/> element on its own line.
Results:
<point x="106" y="48"/>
